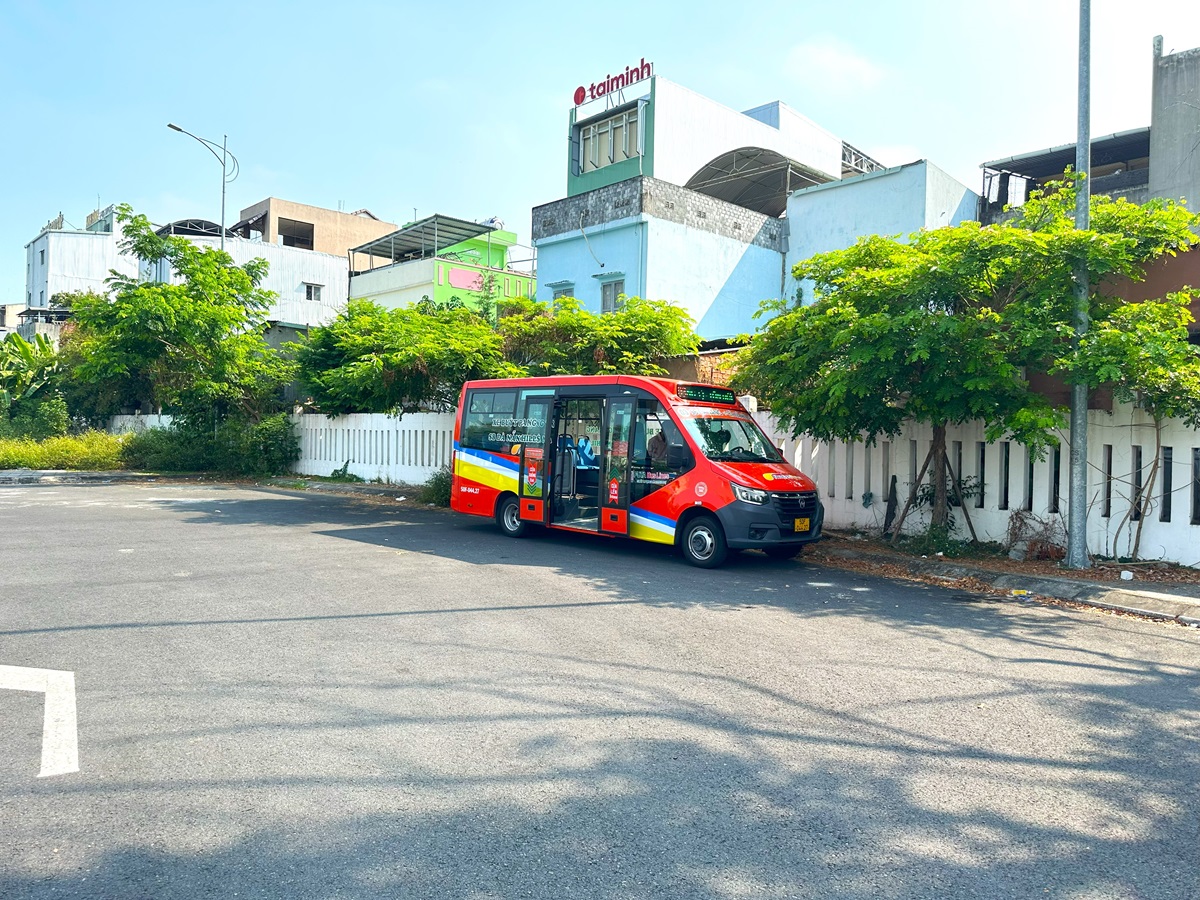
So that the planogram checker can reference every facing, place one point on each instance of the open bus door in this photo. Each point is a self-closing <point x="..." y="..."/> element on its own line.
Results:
<point x="614" y="486"/>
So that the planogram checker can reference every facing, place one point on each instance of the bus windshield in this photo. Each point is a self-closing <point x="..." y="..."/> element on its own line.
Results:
<point x="731" y="440"/>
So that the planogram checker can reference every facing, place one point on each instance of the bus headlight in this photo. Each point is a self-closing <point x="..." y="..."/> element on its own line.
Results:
<point x="749" y="495"/>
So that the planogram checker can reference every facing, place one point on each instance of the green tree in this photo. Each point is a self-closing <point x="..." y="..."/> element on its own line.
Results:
<point x="939" y="328"/>
<point x="1141" y="351"/>
<point x="371" y="359"/>
<point x="562" y="338"/>
<point x="192" y="345"/>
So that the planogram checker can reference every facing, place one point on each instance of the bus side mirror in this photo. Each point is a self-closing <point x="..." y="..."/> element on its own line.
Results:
<point x="677" y="456"/>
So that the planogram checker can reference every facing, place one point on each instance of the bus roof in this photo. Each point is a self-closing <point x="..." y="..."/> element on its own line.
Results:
<point x="669" y="390"/>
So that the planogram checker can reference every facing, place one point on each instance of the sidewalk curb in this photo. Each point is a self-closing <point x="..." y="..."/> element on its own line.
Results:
<point x="66" y="476"/>
<point x="1156" y="605"/>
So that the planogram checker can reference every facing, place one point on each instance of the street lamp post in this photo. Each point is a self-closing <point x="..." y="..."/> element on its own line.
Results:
<point x="224" y="158"/>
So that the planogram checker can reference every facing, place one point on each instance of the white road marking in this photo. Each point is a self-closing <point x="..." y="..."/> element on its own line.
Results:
<point x="60" y="734"/>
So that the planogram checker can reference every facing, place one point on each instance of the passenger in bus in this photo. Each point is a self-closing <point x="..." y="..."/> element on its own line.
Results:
<point x="587" y="454"/>
<point x="656" y="447"/>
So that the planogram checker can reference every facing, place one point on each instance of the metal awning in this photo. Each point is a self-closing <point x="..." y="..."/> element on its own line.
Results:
<point x="423" y="239"/>
<point x="755" y="178"/>
<point x="254" y="223"/>
<point x="1121" y="146"/>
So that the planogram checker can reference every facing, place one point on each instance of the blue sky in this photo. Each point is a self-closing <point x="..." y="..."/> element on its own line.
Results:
<point x="462" y="109"/>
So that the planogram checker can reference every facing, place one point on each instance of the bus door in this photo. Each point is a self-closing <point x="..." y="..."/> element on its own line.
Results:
<point x="575" y="463"/>
<point x="614" y="486"/>
<point x="535" y="456"/>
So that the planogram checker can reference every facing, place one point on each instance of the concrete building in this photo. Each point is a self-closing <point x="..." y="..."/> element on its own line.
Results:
<point x="1138" y="164"/>
<point x="62" y="259"/>
<point x="441" y="258"/>
<point x="673" y="196"/>
<point x="305" y="246"/>
<point x="288" y="224"/>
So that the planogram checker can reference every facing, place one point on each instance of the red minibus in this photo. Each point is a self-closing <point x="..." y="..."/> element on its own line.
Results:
<point x="624" y="455"/>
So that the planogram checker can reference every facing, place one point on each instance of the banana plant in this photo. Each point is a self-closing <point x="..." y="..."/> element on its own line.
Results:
<point x="26" y="367"/>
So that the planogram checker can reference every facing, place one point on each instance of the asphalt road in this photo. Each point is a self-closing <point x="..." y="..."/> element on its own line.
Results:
<point x="307" y="696"/>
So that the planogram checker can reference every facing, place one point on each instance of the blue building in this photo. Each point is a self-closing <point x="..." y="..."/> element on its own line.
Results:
<point x="672" y="196"/>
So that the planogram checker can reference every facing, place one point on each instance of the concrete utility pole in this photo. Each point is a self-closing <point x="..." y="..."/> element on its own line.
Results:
<point x="1077" y="554"/>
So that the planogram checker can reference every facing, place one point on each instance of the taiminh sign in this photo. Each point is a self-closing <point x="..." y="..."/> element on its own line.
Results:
<point x="610" y="83"/>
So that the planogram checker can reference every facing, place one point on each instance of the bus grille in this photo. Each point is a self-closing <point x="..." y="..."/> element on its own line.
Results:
<point x="795" y="503"/>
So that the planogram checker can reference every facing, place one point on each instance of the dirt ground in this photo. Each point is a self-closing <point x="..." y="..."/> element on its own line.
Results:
<point x="1102" y="572"/>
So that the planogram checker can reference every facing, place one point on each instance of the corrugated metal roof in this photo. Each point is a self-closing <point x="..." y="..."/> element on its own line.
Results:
<point x="423" y="239"/>
<point x="1113" y="148"/>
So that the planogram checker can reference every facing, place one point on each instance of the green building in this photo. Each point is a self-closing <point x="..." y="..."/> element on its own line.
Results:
<point x="441" y="258"/>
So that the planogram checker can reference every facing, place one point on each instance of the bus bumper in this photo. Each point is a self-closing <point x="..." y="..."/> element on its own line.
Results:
<point x="750" y="525"/>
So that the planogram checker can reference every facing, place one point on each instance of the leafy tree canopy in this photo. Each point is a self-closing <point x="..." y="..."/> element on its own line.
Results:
<point x="192" y="345"/>
<point x="371" y="359"/>
<point x="938" y="329"/>
<point x="562" y="338"/>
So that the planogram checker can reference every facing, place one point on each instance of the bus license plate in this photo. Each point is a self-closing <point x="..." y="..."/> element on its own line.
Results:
<point x="800" y="525"/>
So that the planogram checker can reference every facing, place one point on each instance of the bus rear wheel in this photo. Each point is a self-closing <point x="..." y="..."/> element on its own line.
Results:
<point x="508" y="517"/>
<point x="703" y="543"/>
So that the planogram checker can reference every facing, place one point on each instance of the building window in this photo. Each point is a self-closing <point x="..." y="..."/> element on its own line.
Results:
<point x="564" y="290"/>
<point x="294" y="233"/>
<point x="42" y="256"/>
<point x="312" y="292"/>
<point x="1168" y="461"/>
<point x="612" y="296"/>
<point x="609" y="141"/>
<point x="41" y="298"/>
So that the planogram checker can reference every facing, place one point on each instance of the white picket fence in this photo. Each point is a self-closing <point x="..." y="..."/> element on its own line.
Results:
<point x="137" y="424"/>
<point x="853" y="480"/>
<point x="404" y="450"/>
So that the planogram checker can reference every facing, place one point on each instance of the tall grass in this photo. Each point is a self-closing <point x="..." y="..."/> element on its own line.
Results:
<point x="90" y="451"/>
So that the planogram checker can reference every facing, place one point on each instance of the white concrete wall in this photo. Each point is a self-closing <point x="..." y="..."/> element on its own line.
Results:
<point x="137" y="424"/>
<point x="845" y="472"/>
<point x="896" y="202"/>
<point x="405" y="450"/>
<point x="691" y="130"/>
<point x="720" y="281"/>
<point x="395" y="286"/>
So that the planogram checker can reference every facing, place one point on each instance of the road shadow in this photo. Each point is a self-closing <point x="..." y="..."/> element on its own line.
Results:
<point x="645" y="818"/>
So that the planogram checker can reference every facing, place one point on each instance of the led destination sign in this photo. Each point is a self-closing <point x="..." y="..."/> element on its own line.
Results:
<point x="707" y="393"/>
<point x="618" y="82"/>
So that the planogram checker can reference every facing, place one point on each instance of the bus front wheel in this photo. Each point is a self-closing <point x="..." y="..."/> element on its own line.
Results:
<point x="703" y="543"/>
<point x="508" y="517"/>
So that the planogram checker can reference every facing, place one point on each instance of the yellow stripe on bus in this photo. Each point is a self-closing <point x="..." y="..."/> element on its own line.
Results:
<point x="501" y="481"/>
<point x="648" y="533"/>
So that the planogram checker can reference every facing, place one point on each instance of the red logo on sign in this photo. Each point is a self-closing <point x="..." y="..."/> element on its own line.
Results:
<point x="614" y="487"/>
<point x="610" y="83"/>
<point x="532" y="476"/>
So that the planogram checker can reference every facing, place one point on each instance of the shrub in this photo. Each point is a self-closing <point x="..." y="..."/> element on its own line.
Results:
<point x="168" y="450"/>
<point x="268" y="447"/>
<point x="437" y="489"/>
<point x="92" y="450"/>
<point x="237" y="447"/>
